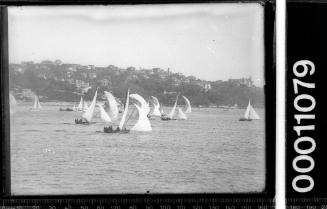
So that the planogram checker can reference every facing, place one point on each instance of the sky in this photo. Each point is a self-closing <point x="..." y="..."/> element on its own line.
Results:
<point x="214" y="41"/>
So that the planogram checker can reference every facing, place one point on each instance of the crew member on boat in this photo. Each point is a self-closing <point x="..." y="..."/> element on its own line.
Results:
<point x="81" y="121"/>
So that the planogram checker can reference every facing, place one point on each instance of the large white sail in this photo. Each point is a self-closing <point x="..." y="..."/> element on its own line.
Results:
<point x="123" y="119"/>
<point x="89" y="112"/>
<point x="172" y="112"/>
<point x="181" y="115"/>
<point x="104" y="116"/>
<point x="156" y="109"/>
<point x="253" y="115"/>
<point x="113" y="107"/>
<point x="188" y="105"/>
<point x="143" y="122"/>
<point x="13" y="104"/>
<point x="80" y="105"/>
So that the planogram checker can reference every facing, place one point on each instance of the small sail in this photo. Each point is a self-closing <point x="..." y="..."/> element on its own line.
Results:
<point x="156" y="109"/>
<point x="143" y="122"/>
<point x="104" y="116"/>
<point x="181" y="115"/>
<point x="253" y="115"/>
<point x="38" y="103"/>
<point x="89" y="112"/>
<point x="172" y="112"/>
<point x="123" y="119"/>
<point x="113" y="107"/>
<point x="35" y="102"/>
<point x="13" y="104"/>
<point x="161" y="110"/>
<point x="74" y="107"/>
<point x="188" y="105"/>
<point x="80" y="105"/>
<point x="247" y="111"/>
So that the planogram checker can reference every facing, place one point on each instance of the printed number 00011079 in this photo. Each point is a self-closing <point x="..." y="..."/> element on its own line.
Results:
<point x="304" y="113"/>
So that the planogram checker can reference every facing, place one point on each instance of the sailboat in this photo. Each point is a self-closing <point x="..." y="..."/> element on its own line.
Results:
<point x="113" y="106"/>
<point x="250" y="114"/>
<point x="156" y="108"/>
<point x="121" y="127"/>
<point x="188" y="105"/>
<point x="172" y="112"/>
<point x="12" y="103"/>
<point x="88" y="114"/>
<point x="181" y="115"/>
<point x="143" y="123"/>
<point x="104" y="116"/>
<point x="37" y="105"/>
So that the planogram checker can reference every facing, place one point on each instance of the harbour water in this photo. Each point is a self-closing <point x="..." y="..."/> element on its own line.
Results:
<point x="212" y="152"/>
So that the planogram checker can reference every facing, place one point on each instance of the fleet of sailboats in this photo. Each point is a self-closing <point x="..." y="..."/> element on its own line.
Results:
<point x="142" y="106"/>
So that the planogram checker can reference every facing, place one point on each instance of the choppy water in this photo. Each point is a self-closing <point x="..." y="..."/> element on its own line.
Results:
<point x="210" y="152"/>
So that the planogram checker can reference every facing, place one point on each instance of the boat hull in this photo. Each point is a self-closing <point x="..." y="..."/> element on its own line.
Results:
<point x="83" y="122"/>
<point x="245" y="119"/>
<point x="110" y="131"/>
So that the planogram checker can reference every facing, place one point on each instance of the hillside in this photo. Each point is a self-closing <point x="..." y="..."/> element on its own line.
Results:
<point x="57" y="81"/>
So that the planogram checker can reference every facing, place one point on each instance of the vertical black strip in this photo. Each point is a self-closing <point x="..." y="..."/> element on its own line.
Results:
<point x="5" y="115"/>
<point x="307" y="40"/>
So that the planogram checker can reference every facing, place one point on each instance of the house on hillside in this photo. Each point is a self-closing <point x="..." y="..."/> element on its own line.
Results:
<point x="81" y="84"/>
<point x="105" y="82"/>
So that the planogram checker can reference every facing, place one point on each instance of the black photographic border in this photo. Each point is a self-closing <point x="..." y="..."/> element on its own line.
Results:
<point x="264" y="197"/>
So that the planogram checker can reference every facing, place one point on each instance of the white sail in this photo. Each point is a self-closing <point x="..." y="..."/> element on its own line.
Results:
<point x="38" y="103"/>
<point x="172" y="112"/>
<point x="13" y="104"/>
<point x="143" y="122"/>
<point x="181" y="115"/>
<point x="35" y="102"/>
<point x="74" y="107"/>
<point x="85" y="107"/>
<point x="250" y="113"/>
<point x="104" y="116"/>
<point x="123" y="119"/>
<point x="247" y="111"/>
<point x="80" y="105"/>
<point x="188" y="105"/>
<point x="112" y="105"/>
<point x="161" y="110"/>
<point x="156" y="109"/>
<point x="89" y="112"/>
<point x="253" y="115"/>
